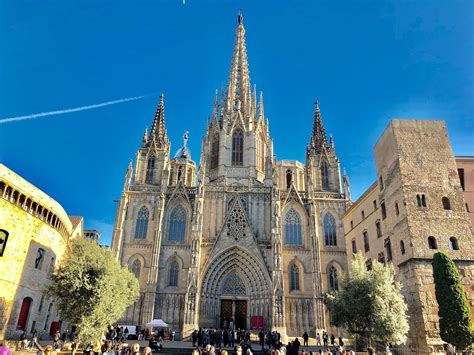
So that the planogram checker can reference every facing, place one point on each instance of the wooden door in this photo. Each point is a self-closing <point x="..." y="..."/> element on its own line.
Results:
<point x="241" y="314"/>
<point x="226" y="312"/>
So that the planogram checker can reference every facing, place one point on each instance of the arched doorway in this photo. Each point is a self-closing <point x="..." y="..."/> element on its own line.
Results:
<point x="24" y="313"/>
<point x="236" y="288"/>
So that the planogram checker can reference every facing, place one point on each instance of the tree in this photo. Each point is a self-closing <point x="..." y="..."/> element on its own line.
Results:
<point x="453" y="309"/>
<point x="370" y="304"/>
<point x="91" y="290"/>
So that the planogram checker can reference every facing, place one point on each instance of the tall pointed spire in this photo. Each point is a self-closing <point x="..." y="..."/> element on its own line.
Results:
<point x="158" y="130"/>
<point x="260" y="114"/>
<point x="238" y="87"/>
<point x="318" y="140"/>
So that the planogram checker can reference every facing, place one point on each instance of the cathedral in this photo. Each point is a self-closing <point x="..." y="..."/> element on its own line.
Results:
<point x="242" y="240"/>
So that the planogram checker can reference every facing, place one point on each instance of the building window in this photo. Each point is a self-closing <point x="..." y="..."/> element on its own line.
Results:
<point x="289" y="178"/>
<point x="215" y="152"/>
<point x="388" y="249"/>
<point x="362" y="214"/>
<point x="135" y="268"/>
<point x="330" y="236"/>
<point x="375" y="204"/>
<point x="3" y="240"/>
<point x="467" y="210"/>
<point x="397" y="210"/>
<point x="333" y="279"/>
<point x="141" y="227"/>
<point x="324" y="176"/>
<point x="446" y="204"/>
<point x="366" y="242"/>
<point x="421" y="200"/>
<point x="237" y="147"/>
<point x="293" y="228"/>
<point x="381" y="182"/>
<point x="173" y="274"/>
<point x="149" y="170"/>
<point x="352" y="224"/>
<point x="24" y="313"/>
<point x="177" y="226"/>
<point x="41" y="303"/>
<point x="432" y="243"/>
<point x="260" y="154"/>
<point x="402" y="247"/>
<point x="461" y="177"/>
<point x="51" y="266"/>
<point x="453" y="244"/>
<point x="384" y="211"/>
<point x="39" y="258"/>
<point x="354" y="246"/>
<point x="294" y="278"/>
<point x="381" y="258"/>
<point x="378" y="229"/>
<point x="368" y="264"/>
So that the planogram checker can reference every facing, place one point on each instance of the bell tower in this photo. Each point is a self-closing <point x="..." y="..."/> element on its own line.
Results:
<point x="321" y="160"/>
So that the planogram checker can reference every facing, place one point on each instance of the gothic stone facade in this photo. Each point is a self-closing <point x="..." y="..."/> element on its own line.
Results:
<point x="415" y="209"/>
<point x="245" y="240"/>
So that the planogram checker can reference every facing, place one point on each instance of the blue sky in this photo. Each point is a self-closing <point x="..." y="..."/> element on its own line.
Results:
<point x="366" y="62"/>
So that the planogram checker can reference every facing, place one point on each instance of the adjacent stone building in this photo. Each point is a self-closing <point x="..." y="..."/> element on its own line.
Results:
<point x="245" y="240"/>
<point x="465" y="167"/>
<point x="414" y="209"/>
<point x="34" y="234"/>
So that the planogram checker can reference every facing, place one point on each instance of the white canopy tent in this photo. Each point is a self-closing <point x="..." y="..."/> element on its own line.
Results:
<point x="157" y="323"/>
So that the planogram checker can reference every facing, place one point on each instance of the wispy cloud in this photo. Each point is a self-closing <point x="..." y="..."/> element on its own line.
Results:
<point x="75" y="109"/>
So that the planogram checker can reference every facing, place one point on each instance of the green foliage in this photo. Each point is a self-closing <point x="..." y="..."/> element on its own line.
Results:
<point x="91" y="289"/>
<point x="454" y="313"/>
<point x="370" y="303"/>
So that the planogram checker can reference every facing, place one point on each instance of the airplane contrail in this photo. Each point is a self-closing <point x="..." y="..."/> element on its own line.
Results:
<point x="75" y="109"/>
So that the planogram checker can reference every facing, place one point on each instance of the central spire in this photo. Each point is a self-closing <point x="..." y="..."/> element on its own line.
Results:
<point x="238" y="88"/>
<point x="318" y="139"/>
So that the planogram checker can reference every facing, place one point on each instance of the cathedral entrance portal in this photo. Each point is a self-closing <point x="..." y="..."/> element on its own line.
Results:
<point x="234" y="314"/>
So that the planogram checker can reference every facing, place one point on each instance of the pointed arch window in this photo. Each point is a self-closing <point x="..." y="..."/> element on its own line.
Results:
<point x="135" y="268"/>
<point x="324" y="176"/>
<point x="293" y="228"/>
<point x="177" y="226"/>
<point x="215" y="152"/>
<point x="149" y="170"/>
<point x="260" y="153"/>
<point x="294" y="278"/>
<point x="237" y="147"/>
<point x="330" y="236"/>
<point x="173" y="274"/>
<point x="333" y="281"/>
<point x="141" y="227"/>
<point x="289" y="178"/>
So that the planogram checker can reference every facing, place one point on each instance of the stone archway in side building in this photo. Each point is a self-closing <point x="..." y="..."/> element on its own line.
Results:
<point x="235" y="291"/>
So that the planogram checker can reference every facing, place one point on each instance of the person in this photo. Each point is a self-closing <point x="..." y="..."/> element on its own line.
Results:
<point x="135" y="349"/>
<point x="237" y="350"/>
<point x="341" y="343"/>
<point x="147" y="350"/>
<point x="305" y="339"/>
<point x="125" y="334"/>
<point x="196" y="351"/>
<point x="261" y="338"/>
<point x="194" y="337"/>
<point x="48" y="350"/>
<point x="224" y="352"/>
<point x="154" y="344"/>
<point x="296" y="345"/>
<point x="325" y="338"/>
<point x="328" y="351"/>
<point x="318" y="339"/>
<point x="333" y="339"/>
<point x="173" y="333"/>
<point x="24" y="341"/>
<point x="107" y="348"/>
<point x="4" y="349"/>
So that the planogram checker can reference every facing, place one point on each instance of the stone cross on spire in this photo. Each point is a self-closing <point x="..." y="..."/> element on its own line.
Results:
<point x="318" y="140"/>
<point x="238" y="87"/>
<point x="158" y="129"/>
